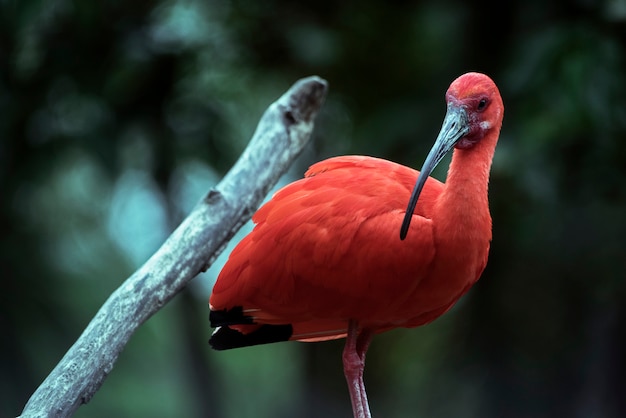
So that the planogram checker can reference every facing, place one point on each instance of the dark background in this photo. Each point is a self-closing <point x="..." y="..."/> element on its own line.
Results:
<point x="116" y="117"/>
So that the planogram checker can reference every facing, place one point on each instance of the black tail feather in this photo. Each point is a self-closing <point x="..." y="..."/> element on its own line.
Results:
<point x="225" y="338"/>
<point x="232" y="316"/>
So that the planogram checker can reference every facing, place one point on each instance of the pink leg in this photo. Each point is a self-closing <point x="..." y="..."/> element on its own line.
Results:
<point x="357" y="342"/>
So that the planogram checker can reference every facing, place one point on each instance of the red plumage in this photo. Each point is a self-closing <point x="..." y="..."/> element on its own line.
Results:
<point x="321" y="252"/>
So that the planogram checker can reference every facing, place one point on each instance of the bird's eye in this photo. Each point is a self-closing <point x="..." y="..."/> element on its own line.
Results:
<point x="482" y="104"/>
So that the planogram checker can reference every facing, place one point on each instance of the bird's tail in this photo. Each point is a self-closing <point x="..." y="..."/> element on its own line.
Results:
<point x="237" y="328"/>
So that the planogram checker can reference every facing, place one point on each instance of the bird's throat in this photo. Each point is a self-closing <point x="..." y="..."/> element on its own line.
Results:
<point x="464" y="204"/>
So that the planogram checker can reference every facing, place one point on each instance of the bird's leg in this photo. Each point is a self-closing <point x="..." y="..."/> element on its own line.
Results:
<point x="357" y="342"/>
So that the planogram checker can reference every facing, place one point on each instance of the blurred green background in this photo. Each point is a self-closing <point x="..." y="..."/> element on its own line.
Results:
<point x="117" y="117"/>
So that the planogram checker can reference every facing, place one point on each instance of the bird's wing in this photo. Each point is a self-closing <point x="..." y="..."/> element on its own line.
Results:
<point x="327" y="247"/>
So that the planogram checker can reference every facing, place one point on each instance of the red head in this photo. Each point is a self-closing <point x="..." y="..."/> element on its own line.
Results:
<point x="478" y="95"/>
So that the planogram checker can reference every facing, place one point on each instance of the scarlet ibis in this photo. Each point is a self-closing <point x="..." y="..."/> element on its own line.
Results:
<point x="325" y="261"/>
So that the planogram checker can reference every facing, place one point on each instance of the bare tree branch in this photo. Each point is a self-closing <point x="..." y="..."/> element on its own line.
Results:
<point x="282" y="132"/>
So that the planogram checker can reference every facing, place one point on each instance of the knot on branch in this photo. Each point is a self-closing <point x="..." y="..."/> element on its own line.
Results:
<point x="303" y="100"/>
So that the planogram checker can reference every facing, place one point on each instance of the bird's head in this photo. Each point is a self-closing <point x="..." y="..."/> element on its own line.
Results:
<point x="474" y="101"/>
<point x="474" y="110"/>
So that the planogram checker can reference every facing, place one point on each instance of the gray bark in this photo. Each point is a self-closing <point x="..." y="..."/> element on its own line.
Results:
<point x="282" y="132"/>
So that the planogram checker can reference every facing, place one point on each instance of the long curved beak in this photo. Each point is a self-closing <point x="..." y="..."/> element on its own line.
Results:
<point x="455" y="126"/>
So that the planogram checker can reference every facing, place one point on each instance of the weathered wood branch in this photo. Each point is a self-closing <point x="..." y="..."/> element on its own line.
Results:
<point x="282" y="132"/>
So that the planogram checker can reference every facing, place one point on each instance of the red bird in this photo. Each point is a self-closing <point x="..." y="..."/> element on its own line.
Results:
<point x="325" y="261"/>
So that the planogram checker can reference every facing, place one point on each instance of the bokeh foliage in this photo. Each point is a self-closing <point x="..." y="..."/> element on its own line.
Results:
<point x="116" y="117"/>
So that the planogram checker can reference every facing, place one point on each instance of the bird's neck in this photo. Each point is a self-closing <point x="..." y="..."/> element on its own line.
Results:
<point x="464" y="199"/>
